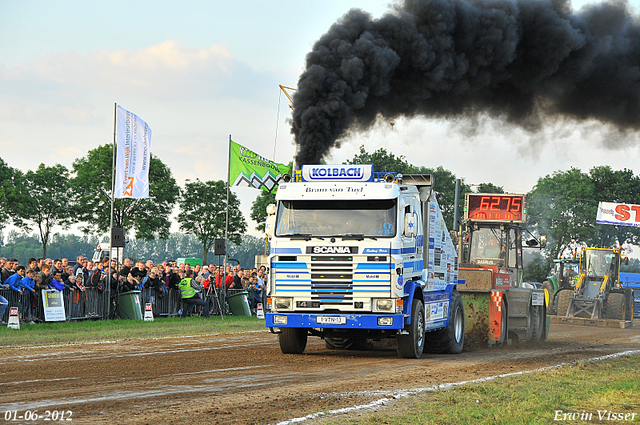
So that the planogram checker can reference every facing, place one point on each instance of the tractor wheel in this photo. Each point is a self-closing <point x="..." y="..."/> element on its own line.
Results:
<point x="411" y="344"/>
<point x="293" y="340"/>
<point x="628" y="294"/>
<point x="504" y="327"/>
<point x="539" y="322"/>
<point x="451" y="339"/>
<point x="564" y="296"/>
<point x="549" y="295"/>
<point x="615" y="307"/>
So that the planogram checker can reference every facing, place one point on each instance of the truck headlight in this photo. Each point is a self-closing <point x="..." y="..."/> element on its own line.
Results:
<point x="385" y="321"/>
<point x="385" y="304"/>
<point x="279" y="320"/>
<point x="281" y="303"/>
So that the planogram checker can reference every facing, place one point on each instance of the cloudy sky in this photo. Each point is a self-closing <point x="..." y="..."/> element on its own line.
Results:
<point x="198" y="72"/>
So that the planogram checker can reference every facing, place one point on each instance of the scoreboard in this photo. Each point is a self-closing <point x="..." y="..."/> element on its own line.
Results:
<point x="495" y="207"/>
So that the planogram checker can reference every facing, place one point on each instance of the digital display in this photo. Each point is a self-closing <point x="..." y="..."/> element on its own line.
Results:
<point x="495" y="207"/>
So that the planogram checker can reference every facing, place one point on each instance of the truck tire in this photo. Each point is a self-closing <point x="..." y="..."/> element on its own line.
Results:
<point x="564" y="296"/>
<point x="411" y="344"/>
<point x="549" y="292"/>
<point x="292" y="340"/>
<point x="451" y="339"/>
<point x="615" y="307"/>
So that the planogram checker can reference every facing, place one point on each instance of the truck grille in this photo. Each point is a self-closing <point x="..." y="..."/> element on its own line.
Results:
<point x="332" y="279"/>
<point x="319" y="281"/>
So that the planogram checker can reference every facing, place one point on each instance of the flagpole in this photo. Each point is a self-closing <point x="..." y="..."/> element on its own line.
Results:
<point x="113" y="186"/>
<point x="226" y="226"/>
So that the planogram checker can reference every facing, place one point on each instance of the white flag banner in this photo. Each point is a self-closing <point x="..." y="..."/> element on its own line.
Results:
<point x="133" y="157"/>
<point x="618" y="214"/>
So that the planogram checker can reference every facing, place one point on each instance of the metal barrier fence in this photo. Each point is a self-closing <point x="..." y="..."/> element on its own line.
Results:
<point x="78" y="305"/>
<point x="95" y="304"/>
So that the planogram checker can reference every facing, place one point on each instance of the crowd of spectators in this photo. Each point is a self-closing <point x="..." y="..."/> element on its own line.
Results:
<point x="160" y="280"/>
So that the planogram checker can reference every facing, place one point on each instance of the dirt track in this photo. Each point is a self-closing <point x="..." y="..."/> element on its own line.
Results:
<point x="244" y="378"/>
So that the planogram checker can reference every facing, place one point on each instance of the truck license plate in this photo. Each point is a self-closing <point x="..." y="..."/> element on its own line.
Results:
<point x="331" y="320"/>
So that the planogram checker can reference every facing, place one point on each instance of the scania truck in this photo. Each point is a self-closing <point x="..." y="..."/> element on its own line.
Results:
<point x="358" y="256"/>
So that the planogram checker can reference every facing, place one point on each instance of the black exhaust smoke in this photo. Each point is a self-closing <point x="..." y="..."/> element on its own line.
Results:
<point x="524" y="61"/>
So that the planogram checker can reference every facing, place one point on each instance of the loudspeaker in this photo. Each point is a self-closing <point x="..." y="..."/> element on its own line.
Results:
<point x="117" y="237"/>
<point x="220" y="247"/>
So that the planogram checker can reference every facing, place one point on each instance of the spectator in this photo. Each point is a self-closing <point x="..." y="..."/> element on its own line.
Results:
<point x="7" y="270"/>
<point x="196" y="270"/>
<point x="33" y="264"/>
<point x="15" y="279"/>
<point x="78" y="265"/>
<point x="48" y="262"/>
<point x="96" y="276"/>
<point x="126" y="268"/>
<point x="65" y="263"/>
<point x="4" y="303"/>
<point x="189" y="296"/>
<point x="139" y="272"/>
<point x="255" y="292"/>
<point x="2" y="261"/>
<point x="57" y="267"/>
<point x="56" y="281"/>
<point x="39" y="264"/>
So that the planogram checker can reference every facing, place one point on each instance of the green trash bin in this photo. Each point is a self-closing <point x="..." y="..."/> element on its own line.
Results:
<point x="129" y="305"/>
<point x="239" y="304"/>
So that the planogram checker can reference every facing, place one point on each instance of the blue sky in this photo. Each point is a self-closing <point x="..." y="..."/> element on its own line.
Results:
<point x="198" y="72"/>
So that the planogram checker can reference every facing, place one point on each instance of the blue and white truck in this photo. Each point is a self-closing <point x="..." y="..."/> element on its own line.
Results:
<point x="357" y="256"/>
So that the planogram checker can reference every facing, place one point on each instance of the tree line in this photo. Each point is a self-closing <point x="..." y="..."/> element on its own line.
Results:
<point x="561" y="205"/>
<point x="24" y="246"/>
<point x="54" y="196"/>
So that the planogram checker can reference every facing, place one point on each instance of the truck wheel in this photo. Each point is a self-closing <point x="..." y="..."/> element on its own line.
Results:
<point x="549" y="294"/>
<point x="539" y="323"/>
<point x="564" y="296"/>
<point x="411" y="345"/>
<point x="616" y="306"/>
<point x="451" y="339"/>
<point x="293" y="340"/>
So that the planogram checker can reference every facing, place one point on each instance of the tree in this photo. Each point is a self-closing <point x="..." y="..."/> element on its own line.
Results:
<point x="620" y="186"/>
<point x="563" y="207"/>
<point x="259" y="208"/>
<point x="489" y="188"/>
<point x="203" y="208"/>
<point x="382" y="161"/>
<point x="7" y="191"/>
<point x="44" y="199"/>
<point x="92" y="191"/>
<point x="445" y="189"/>
<point x="246" y="250"/>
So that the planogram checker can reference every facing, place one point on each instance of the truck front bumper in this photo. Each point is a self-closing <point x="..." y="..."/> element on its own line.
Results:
<point x="335" y="321"/>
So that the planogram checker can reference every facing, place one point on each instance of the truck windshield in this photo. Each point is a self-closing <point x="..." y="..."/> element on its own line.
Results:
<point x="322" y="218"/>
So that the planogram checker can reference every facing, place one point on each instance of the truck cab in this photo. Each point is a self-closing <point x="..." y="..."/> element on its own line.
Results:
<point x="350" y="263"/>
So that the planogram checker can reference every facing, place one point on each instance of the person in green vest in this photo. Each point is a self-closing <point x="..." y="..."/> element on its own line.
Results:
<point x="190" y="296"/>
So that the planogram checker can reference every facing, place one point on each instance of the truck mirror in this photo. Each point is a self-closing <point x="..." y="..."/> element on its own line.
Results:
<point x="410" y="224"/>
<point x="270" y="225"/>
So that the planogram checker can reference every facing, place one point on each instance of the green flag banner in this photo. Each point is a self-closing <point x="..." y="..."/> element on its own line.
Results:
<point x="248" y="169"/>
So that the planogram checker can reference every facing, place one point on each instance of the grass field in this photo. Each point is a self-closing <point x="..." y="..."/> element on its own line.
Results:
<point x="602" y="392"/>
<point x="109" y="330"/>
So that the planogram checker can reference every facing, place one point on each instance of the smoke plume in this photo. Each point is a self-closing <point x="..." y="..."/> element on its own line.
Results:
<point x="523" y="61"/>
